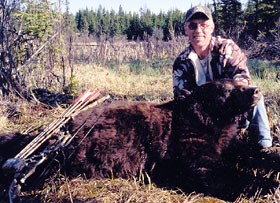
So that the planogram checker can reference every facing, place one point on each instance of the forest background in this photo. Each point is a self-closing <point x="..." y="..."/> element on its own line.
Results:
<point x="36" y="35"/>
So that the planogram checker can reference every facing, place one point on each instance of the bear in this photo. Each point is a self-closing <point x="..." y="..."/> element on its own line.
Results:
<point x="174" y="142"/>
<point x="132" y="136"/>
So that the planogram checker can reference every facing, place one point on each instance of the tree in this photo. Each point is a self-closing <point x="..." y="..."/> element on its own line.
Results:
<point x="69" y="20"/>
<point x="268" y="12"/>
<point x="178" y="22"/>
<point x="146" y="22"/>
<point x="122" y="20"/>
<point x="229" y="17"/>
<point x="115" y="26"/>
<point x="217" y="16"/>
<point x="80" y="20"/>
<point x="26" y="27"/>
<point x="159" y="20"/>
<point x="168" y="26"/>
<point x="134" y="30"/>
<point x="92" y="23"/>
<point x="262" y="16"/>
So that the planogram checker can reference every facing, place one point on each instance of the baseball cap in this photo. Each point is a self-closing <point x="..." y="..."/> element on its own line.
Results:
<point x="198" y="9"/>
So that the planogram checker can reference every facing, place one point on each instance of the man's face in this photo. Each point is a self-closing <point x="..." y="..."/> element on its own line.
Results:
<point x="199" y="32"/>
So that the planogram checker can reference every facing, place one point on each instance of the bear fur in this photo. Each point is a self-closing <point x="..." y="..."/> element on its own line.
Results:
<point x="175" y="142"/>
<point x="128" y="137"/>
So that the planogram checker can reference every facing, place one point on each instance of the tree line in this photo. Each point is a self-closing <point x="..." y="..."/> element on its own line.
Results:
<point x="133" y="25"/>
<point x="230" y="17"/>
<point x="36" y="37"/>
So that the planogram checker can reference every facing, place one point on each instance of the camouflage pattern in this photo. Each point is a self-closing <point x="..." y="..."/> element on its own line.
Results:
<point x="228" y="63"/>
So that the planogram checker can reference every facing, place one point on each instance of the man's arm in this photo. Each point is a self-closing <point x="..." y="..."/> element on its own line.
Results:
<point x="234" y="57"/>
<point x="183" y="77"/>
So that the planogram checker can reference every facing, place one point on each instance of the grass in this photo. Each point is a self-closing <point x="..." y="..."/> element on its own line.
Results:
<point x="137" y="80"/>
<point x="264" y="76"/>
<point x="117" y="190"/>
<point x="25" y="117"/>
<point x="264" y="69"/>
<point x="127" y="82"/>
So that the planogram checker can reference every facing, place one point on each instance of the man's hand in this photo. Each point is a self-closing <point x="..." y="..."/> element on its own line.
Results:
<point x="241" y="81"/>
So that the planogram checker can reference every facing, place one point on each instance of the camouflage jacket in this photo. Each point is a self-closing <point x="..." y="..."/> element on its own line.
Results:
<point x="187" y="73"/>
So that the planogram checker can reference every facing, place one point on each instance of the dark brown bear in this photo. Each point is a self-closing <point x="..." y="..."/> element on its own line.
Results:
<point x="125" y="138"/>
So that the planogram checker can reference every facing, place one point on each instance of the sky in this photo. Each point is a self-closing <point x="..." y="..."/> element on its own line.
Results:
<point x="135" y="5"/>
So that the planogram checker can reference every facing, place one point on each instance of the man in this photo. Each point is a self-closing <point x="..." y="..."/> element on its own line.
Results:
<point x="209" y="58"/>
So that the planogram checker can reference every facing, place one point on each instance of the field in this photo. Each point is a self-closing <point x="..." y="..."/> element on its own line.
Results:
<point x="141" y="80"/>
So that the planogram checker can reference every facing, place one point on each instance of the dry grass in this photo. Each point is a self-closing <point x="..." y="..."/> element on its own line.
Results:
<point x="271" y="92"/>
<point x="115" y="190"/>
<point x="120" y="50"/>
<point x="3" y="115"/>
<point x="25" y="117"/>
<point x="124" y="82"/>
<point x="123" y="190"/>
<point x="120" y="81"/>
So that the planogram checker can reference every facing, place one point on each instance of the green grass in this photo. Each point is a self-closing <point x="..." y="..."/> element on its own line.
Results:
<point x="264" y="69"/>
<point x="137" y="80"/>
<point x="127" y="82"/>
<point x="152" y="68"/>
<point x="264" y="76"/>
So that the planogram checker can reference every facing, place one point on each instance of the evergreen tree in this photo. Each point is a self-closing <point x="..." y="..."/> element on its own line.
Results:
<point x="115" y="29"/>
<point x="105" y="23"/>
<point x="69" y="20"/>
<point x="268" y="16"/>
<point x="99" y="17"/>
<point x="25" y="26"/>
<point x="80" y="20"/>
<point x="262" y="16"/>
<point x="122" y="20"/>
<point x="159" y="20"/>
<point x="146" y="22"/>
<point x="168" y="29"/>
<point x="134" y="31"/>
<point x="230" y="14"/>
<point x="178" y="22"/>
<point x="217" y="16"/>
<point x="251" y="18"/>
<point x="92" y="24"/>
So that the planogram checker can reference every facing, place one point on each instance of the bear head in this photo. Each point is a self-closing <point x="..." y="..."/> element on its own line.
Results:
<point x="224" y="99"/>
